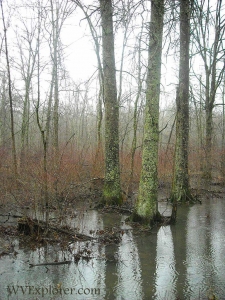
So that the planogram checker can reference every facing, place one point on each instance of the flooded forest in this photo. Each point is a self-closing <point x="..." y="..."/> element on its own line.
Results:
<point x="112" y="149"/>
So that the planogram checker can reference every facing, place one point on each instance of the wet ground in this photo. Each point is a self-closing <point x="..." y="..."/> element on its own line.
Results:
<point x="183" y="261"/>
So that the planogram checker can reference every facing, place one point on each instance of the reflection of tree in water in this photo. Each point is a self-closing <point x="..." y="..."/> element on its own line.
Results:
<point x="88" y="273"/>
<point x="85" y="273"/>
<point x="111" y="277"/>
<point x="146" y="245"/>
<point x="165" y="279"/>
<point x="197" y="252"/>
<point x="128" y="269"/>
<point x="217" y="244"/>
<point x="179" y="242"/>
<point x="180" y="261"/>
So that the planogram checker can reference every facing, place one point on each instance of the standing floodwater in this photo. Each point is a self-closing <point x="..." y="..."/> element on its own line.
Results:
<point x="184" y="261"/>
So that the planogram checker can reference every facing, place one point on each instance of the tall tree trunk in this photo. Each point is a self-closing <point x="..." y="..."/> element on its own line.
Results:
<point x="147" y="206"/>
<point x="140" y="80"/>
<point x="25" y="124"/>
<point x="211" y="50"/>
<point x="49" y="108"/>
<point x="14" y="155"/>
<point x="199" y="127"/>
<point x="56" y="111"/>
<point x="207" y="168"/>
<point x="27" y="74"/>
<point x="42" y="131"/>
<point x="180" y="187"/>
<point x="223" y="134"/>
<point x="112" y="190"/>
<point x="55" y="62"/>
<point x="96" y="39"/>
<point x="207" y="172"/>
<point x="3" y="115"/>
<point x="99" y="118"/>
<point x="211" y="95"/>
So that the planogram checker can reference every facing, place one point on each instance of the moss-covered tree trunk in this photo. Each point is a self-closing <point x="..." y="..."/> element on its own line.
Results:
<point x="146" y="206"/>
<point x="180" y="187"/>
<point x="112" y="190"/>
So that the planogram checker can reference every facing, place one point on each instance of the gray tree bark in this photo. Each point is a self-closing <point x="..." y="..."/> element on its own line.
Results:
<point x="212" y="53"/>
<point x="112" y="190"/>
<point x="146" y="206"/>
<point x="180" y="186"/>
<point x="4" y="140"/>
<point x="14" y="154"/>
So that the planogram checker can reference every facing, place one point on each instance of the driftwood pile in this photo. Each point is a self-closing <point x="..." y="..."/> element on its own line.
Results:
<point x="34" y="227"/>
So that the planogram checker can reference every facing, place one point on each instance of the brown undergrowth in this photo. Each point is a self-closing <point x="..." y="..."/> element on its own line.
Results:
<point x="78" y="177"/>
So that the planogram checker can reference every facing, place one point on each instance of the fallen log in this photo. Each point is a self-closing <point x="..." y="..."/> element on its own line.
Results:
<point x="29" y="226"/>
<point x="9" y="215"/>
<point x="75" y="235"/>
<point x="54" y="263"/>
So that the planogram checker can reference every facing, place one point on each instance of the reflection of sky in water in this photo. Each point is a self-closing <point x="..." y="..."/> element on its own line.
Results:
<point x="128" y="269"/>
<point x="205" y="250"/>
<point x="165" y="265"/>
<point x="217" y="243"/>
<point x="186" y="260"/>
<point x="84" y="274"/>
<point x="86" y="221"/>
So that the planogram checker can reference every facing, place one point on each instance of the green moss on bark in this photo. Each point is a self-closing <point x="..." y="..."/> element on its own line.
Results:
<point x="154" y="219"/>
<point x="111" y="195"/>
<point x="111" y="191"/>
<point x="181" y="188"/>
<point x="146" y="207"/>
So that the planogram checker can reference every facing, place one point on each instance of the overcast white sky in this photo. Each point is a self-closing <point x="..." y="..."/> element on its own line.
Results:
<point x="80" y="58"/>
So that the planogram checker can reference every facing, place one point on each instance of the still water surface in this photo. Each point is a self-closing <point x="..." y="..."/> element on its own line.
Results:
<point x="184" y="261"/>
